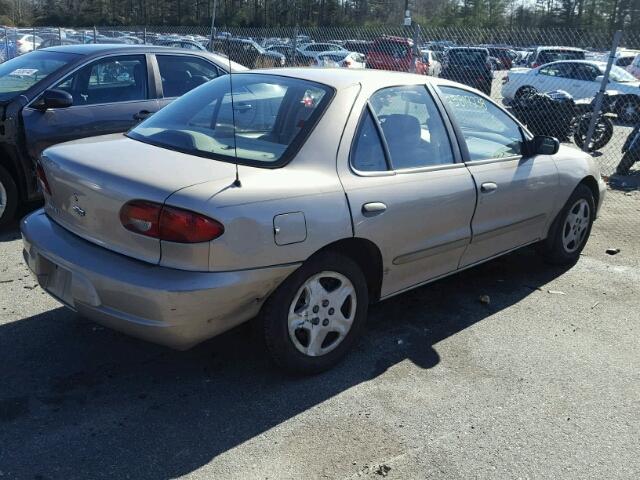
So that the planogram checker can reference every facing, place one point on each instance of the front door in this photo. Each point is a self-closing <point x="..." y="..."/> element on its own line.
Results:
<point x="515" y="193"/>
<point x="108" y="97"/>
<point x="407" y="192"/>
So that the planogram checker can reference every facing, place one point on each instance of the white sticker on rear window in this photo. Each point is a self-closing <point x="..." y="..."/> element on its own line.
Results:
<point x="24" y="72"/>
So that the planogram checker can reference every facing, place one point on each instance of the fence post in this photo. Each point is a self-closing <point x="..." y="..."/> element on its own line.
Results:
<point x="6" y="44"/>
<point x="603" y="87"/>
<point x="212" y="32"/>
<point x="95" y="35"/>
<point x="144" y="35"/>
<point x="34" y="38"/>
<point x="60" y="35"/>
<point x="294" y="58"/>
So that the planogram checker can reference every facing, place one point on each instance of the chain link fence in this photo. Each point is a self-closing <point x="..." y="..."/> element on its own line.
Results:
<point x="549" y="79"/>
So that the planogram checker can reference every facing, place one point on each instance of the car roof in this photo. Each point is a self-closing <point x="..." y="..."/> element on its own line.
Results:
<point x="97" y="48"/>
<point x="564" y="49"/>
<point x="340" y="78"/>
<point x="589" y="62"/>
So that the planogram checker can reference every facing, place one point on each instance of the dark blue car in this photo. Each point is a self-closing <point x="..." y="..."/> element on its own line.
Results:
<point x="68" y="92"/>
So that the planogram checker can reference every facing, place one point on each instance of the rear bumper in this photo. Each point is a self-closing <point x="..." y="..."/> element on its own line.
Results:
<point x="176" y="308"/>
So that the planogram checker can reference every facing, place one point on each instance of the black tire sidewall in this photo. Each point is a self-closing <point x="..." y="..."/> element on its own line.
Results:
<point x="12" y="196"/>
<point x="555" y="248"/>
<point x="275" y="313"/>
<point x="634" y="102"/>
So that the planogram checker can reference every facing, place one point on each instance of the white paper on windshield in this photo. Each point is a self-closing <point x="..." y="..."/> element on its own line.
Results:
<point x="24" y="72"/>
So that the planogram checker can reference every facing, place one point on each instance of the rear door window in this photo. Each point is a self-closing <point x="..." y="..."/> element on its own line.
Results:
<point x="412" y="127"/>
<point x="181" y="73"/>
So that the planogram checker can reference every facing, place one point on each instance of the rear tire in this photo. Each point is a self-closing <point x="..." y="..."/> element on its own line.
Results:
<point x="601" y="135"/>
<point x="8" y="197"/>
<point x="525" y="92"/>
<point x="307" y="327"/>
<point x="571" y="229"/>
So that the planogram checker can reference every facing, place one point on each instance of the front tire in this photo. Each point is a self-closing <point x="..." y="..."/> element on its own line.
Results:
<point x="629" y="109"/>
<point x="8" y="197"/>
<point x="312" y="320"/>
<point x="571" y="229"/>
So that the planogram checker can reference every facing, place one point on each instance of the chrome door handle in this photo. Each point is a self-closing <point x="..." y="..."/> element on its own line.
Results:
<point x="488" y="187"/>
<point x="373" y="208"/>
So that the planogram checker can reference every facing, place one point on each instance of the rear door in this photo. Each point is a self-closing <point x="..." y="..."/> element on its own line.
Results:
<point x="108" y="96"/>
<point x="407" y="190"/>
<point x="583" y="80"/>
<point x="516" y="194"/>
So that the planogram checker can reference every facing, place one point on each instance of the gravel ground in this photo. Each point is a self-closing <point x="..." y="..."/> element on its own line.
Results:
<point x="543" y="382"/>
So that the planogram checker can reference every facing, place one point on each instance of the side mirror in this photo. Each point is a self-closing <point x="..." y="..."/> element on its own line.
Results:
<point x="543" y="145"/>
<point x="55" y="99"/>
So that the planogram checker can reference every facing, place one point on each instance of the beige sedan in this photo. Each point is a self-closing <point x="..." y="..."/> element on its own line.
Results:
<point x="298" y="197"/>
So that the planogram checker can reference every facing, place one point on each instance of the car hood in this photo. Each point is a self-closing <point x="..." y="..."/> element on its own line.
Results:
<point x="91" y="179"/>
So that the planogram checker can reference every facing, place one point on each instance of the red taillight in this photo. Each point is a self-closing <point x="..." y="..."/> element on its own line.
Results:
<point x="347" y="63"/>
<point x="141" y="217"/>
<point x="535" y="65"/>
<point x="168" y="223"/>
<point x="42" y="178"/>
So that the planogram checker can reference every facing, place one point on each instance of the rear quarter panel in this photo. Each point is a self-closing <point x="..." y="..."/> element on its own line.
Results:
<point x="308" y="184"/>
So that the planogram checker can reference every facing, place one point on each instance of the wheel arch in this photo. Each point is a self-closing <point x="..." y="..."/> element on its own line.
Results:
<point x="592" y="184"/>
<point x="10" y="162"/>
<point x="368" y="257"/>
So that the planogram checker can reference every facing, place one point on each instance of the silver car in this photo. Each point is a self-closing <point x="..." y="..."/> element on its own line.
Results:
<point x="298" y="199"/>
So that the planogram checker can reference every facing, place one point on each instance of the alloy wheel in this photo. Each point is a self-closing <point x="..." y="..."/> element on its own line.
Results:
<point x="3" y="199"/>
<point x="576" y="225"/>
<point x="322" y="313"/>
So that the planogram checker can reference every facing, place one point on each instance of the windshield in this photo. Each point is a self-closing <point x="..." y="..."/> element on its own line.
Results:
<point x="272" y="116"/>
<point x="19" y="74"/>
<point x="618" y="74"/>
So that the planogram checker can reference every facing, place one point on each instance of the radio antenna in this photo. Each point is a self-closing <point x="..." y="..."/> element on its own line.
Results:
<point x="236" y="182"/>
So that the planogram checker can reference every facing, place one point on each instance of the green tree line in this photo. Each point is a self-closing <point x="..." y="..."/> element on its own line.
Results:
<point x="583" y="14"/>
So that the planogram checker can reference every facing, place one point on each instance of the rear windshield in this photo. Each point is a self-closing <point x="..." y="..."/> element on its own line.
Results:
<point x="19" y="74"/>
<point x="467" y="57"/>
<point x="263" y="123"/>
<point x="619" y="74"/>
<point x="547" y="56"/>
<point x="387" y="47"/>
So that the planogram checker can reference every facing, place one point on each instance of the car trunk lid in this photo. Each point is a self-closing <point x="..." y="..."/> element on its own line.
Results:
<point x="91" y="180"/>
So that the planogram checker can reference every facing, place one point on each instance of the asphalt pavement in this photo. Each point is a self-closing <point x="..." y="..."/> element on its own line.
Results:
<point x="541" y="382"/>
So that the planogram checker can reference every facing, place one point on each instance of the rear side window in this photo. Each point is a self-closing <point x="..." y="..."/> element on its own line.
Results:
<point x="181" y="73"/>
<point x="368" y="153"/>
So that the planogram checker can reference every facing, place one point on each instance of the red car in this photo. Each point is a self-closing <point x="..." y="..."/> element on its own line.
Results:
<point x="395" y="53"/>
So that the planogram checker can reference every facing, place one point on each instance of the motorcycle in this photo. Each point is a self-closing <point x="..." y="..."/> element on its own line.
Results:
<point x="557" y="114"/>
<point x="630" y="152"/>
